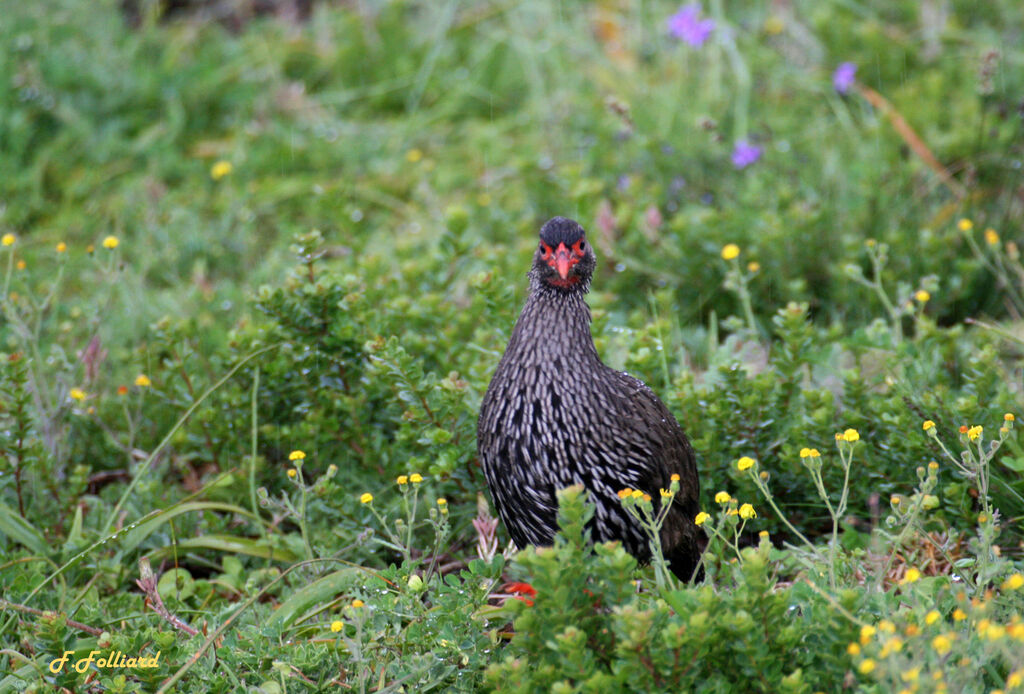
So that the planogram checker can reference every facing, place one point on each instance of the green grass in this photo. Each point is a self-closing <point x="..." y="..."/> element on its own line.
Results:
<point x="347" y="289"/>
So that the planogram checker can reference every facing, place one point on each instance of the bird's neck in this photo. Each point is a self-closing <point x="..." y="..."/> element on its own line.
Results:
<point x="554" y="323"/>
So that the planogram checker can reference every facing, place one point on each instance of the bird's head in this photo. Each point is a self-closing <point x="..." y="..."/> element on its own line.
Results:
<point x="564" y="259"/>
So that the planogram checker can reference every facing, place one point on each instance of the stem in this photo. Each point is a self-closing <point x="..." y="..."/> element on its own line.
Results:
<point x="252" y="451"/>
<point x="771" y="502"/>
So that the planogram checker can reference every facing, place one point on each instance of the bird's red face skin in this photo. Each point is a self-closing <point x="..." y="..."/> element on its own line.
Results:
<point x="561" y="260"/>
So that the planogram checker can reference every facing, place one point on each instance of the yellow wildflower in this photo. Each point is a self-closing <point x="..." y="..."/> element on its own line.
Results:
<point x="753" y="266"/>
<point x="665" y="493"/>
<point x="745" y="463"/>
<point x="913" y="575"/>
<point x="142" y="381"/>
<point x="912" y="630"/>
<point x="110" y="243"/>
<point x="942" y="643"/>
<point x="1015" y="678"/>
<point x="928" y="425"/>
<point x="415" y="478"/>
<point x="853" y="649"/>
<point x="221" y="169"/>
<point x="867" y="666"/>
<point x="1008" y="417"/>
<point x="624" y="493"/>
<point x="674" y="478"/>
<point x="922" y="296"/>
<point x="991" y="237"/>
<point x="366" y="498"/>
<point x="337" y="626"/>
<point x="701" y="518"/>
<point x="959" y="615"/>
<point x="292" y="473"/>
<point x="296" y="455"/>
<point x="357" y="603"/>
<point x="441" y="501"/>
<point x="1014" y="582"/>
<point x="8" y="239"/>
<point x="21" y="265"/>
<point x="893" y="645"/>
<point x="965" y="225"/>
<point x="886" y="626"/>
<point x="413" y="155"/>
<point x="910" y="675"/>
<point x="932" y="617"/>
<point x="61" y="247"/>
<point x="722" y="498"/>
<point x="995" y="632"/>
<point x="77" y="394"/>
<point x="402" y="480"/>
<point x="974" y="432"/>
<point x="730" y="251"/>
<point x="851" y="435"/>
<point x="866" y="632"/>
<point x="763" y="533"/>
<point x="747" y="512"/>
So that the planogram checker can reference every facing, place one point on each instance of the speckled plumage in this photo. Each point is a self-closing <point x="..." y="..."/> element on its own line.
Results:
<point x="554" y="415"/>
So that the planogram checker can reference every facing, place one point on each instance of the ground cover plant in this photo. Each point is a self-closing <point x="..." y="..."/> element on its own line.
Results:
<point x="256" y="276"/>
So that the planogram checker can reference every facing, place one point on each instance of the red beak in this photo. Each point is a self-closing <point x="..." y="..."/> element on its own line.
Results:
<point x="562" y="261"/>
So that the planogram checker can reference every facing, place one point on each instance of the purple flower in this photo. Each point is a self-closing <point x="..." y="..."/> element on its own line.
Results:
<point x="686" y="25"/>
<point x="843" y="77"/>
<point x="744" y="154"/>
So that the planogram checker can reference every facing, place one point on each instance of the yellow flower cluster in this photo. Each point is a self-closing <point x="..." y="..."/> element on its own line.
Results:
<point x="110" y="243"/>
<point x="745" y="463"/>
<point x="296" y="455"/>
<point x="142" y="381"/>
<point x="809" y="453"/>
<point x="974" y="432"/>
<point x="730" y="251"/>
<point x="1014" y="582"/>
<point x="850" y="436"/>
<point x="701" y="518"/>
<point x="366" y="498"/>
<point x="221" y="169"/>
<point x="8" y="239"/>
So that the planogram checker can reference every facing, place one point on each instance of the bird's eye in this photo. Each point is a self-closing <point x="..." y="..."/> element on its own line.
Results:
<point x="580" y="245"/>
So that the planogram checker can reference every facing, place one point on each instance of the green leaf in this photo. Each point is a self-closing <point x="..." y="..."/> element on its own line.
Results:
<point x="231" y="544"/>
<point x="17" y="528"/>
<point x="134" y="537"/>
<point x="320" y="591"/>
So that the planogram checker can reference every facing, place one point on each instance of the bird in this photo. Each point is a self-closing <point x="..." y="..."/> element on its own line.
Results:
<point x="554" y="415"/>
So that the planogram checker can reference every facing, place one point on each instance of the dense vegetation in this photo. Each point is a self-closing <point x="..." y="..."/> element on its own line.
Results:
<point x="255" y="283"/>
